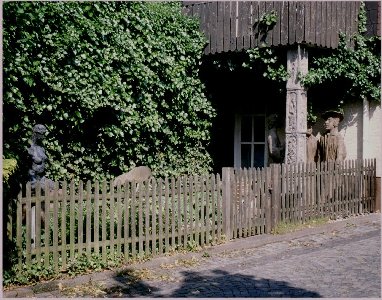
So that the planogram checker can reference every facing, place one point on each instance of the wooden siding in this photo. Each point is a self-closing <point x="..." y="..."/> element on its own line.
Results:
<point x="373" y="24"/>
<point x="231" y="25"/>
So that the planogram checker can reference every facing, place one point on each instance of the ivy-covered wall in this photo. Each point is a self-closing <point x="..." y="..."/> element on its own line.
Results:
<point x="115" y="83"/>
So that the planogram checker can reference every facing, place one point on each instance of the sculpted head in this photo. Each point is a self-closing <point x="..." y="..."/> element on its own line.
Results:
<point x="39" y="131"/>
<point x="332" y="120"/>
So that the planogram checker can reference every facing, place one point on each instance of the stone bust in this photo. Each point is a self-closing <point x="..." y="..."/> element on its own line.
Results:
<point x="38" y="156"/>
<point x="332" y="144"/>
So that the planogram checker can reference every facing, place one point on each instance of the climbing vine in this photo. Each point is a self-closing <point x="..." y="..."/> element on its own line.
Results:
<point x="262" y="58"/>
<point x="357" y="67"/>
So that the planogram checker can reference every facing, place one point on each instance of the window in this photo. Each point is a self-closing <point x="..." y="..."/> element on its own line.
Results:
<point x="249" y="140"/>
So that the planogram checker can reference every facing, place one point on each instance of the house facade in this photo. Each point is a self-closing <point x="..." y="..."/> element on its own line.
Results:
<point x="245" y="102"/>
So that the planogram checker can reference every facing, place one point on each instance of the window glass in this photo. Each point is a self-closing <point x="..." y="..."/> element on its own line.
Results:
<point x="246" y="129"/>
<point x="245" y="156"/>
<point x="259" y="128"/>
<point x="258" y="160"/>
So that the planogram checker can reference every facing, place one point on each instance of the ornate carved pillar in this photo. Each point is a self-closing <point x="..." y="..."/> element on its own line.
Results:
<point x="296" y="107"/>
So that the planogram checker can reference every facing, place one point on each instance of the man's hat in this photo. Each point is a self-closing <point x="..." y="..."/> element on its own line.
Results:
<point x="333" y="114"/>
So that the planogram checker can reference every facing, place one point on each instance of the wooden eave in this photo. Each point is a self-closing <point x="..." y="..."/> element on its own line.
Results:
<point x="231" y="25"/>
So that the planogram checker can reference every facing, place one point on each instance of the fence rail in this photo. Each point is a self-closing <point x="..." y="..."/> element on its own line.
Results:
<point x="156" y="216"/>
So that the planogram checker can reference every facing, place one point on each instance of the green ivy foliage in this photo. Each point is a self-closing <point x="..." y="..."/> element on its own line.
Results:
<point x="9" y="167"/>
<point x="115" y="83"/>
<point x="359" y="67"/>
<point x="263" y="58"/>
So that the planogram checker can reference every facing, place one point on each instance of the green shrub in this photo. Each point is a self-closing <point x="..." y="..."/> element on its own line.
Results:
<point x="115" y="83"/>
<point x="9" y="167"/>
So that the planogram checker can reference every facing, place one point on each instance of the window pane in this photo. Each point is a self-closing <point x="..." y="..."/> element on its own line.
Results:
<point x="246" y="129"/>
<point x="259" y="131"/>
<point x="245" y="156"/>
<point x="258" y="156"/>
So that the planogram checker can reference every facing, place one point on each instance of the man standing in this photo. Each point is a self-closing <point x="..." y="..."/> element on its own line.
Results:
<point x="332" y="145"/>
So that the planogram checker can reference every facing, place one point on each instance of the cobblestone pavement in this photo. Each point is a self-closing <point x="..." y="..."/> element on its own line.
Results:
<point x="340" y="259"/>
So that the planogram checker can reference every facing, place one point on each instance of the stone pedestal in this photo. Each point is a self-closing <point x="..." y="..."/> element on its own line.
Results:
<point x="296" y="107"/>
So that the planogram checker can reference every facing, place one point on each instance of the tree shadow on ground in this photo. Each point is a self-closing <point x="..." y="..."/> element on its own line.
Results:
<point x="224" y="284"/>
<point x="216" y="284"/>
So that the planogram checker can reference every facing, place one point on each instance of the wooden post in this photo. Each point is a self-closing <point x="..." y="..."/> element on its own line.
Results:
<point x="296" y="107"/>
<point x="275" y="194"/>
<point x="227" y="176"/>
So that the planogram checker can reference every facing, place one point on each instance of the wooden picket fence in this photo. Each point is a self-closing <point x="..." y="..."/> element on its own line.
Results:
<point x="130" y="220"/>
<point x="261" y="198"/>
<point x="54" y="227"/>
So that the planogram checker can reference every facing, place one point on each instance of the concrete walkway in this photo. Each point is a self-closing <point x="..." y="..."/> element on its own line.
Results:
<point x="340" y="259"/>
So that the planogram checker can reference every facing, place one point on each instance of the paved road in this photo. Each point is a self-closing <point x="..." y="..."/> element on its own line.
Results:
<point x="341" y="259"/>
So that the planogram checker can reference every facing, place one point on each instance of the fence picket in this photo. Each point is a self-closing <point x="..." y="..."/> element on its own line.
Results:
<point x="239" y="203"/>
<point x="63" y="223"/>
<point x="96" y="217"/>
<point x="104" y="205"/>
<point x="355" y="187"/>
<point x="140" y="187"/>
<point x="191" y="208"/>
<point x="133" y="219"/>
<point x="147" y="219"/>
<point x="185" y="228"/>
<point x="46" y="223"/>
<point x="196" y="204"/>
<point x="358" y="172"/>
<point x="154" y="217"/>
<point x="19" y="228"/>
<point x="179" y="209"/>
<point x="308" y="192"/>
<point x="304" y="182"/>
<point x="219" y="206"/>
<point x="370" y="185"/>
<point x="247" y="203"/>
<point x="346" y="186"/>
<point x="167" y="217"/>
<point x="88" y="218"/>
<point x="173" y="231"/>
<point x="208" y="199"/>
<point x="233" y="204"/>
<point x="55" y="226"/>
<point x="119" y="219"/>
<point x="256" y="201"/>
<point x="112" y="219"/>
<point x="28" y="212"/>
<point x="160" y="216"/>
<point x="80" y="218"/>
<point x="373" y="185"/>
<point x="72" y="219"/>
<point x="250" y="203"/>
<point x="38" y="222"/>
<point x="202" y="210"/>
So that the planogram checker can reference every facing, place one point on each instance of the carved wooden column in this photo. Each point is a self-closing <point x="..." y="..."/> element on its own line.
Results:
<point x="296" y="107"/>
